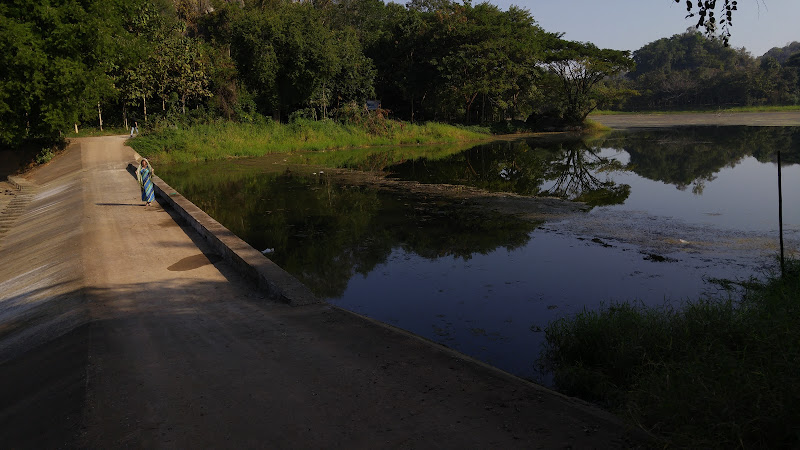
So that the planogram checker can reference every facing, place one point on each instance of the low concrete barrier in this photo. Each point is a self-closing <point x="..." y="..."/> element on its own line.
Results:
<point x="275" y="282"/>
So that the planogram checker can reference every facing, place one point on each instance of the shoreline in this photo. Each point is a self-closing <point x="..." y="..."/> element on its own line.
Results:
<point x="178" y="348"/>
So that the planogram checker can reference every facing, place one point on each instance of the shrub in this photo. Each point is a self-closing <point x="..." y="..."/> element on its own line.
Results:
<point x="714" y="373"/>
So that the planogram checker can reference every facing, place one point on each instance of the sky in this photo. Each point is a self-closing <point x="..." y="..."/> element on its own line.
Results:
<point x="758" y="25"/>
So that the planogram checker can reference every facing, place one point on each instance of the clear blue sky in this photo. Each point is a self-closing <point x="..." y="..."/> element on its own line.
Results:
<point x="758" y="25"/>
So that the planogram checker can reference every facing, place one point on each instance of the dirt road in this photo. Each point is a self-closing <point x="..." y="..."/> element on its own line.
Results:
<point x="765" y="119"/>
<point x="120" y="328"/>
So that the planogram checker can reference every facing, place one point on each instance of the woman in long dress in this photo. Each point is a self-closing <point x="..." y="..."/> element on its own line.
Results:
<point x="144" y="173"/>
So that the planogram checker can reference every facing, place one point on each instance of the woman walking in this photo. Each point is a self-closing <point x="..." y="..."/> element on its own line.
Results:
<point x="144" y="173"/>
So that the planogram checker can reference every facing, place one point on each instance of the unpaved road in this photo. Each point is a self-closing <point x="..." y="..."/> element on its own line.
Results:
<point x="119" y="328"/>
<point x="761" y="119"/>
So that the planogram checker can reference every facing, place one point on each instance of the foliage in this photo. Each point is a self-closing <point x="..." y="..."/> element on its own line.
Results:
<point x="440" y="59"/>
<point x="574" y="71"/>
<point x="70" y="64"/>
<point x="782" y="54"/>
<point x="222" y="139"/>
<point x="290" y="60"/>
<point x="690" y="70"/>
<point x="54" y="67"/>
<point x="716" y="373"/>
<point x="44" y="156"/>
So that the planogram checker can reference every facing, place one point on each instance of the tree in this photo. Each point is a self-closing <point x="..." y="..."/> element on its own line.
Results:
<point x="494" y="55"/>
<point x="695" y="71"/>
<point x="442" y="58"/>
<point x="54" y="68"/>
<point x="291" y="60"/>
<point x="574" y="71"/>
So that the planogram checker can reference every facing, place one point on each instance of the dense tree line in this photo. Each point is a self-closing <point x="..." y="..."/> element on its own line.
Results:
<point x="693" y="71"/>
<point x="70" y="63"/>
<point x="65" y="64"/>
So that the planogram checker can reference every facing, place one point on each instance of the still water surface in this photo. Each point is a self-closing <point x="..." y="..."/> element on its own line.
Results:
<point x="672" y="210"/>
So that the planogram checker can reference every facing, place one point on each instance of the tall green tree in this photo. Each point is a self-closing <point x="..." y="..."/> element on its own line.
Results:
<point x="55" y="67"/>
<point x="574" y="71"/>
<point x="694" y="71"/>
<point x="451" y="61"/>
<point x="290" y="59"/>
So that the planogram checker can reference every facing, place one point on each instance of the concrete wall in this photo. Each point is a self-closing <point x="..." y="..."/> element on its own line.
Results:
<point x="275" y="282"/>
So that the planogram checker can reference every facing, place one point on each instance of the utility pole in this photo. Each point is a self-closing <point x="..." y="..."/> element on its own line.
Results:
<point x="780" y="214"/>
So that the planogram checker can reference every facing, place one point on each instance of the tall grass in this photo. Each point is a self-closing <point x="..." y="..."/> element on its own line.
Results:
<point x="224" y="139"/>
<point x="712" y="374"/>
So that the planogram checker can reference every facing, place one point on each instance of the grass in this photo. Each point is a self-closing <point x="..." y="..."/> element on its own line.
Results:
<point x="377" y="158"/>
<point x="224" y="139"/>
<point x="94" y="131"/>
<point x="718" y="373"/>
<point x="592" y="127"/>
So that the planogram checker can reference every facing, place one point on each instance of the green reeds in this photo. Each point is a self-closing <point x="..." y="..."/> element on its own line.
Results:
<point x="213" y="141"/>
<point x="712" y="374"/>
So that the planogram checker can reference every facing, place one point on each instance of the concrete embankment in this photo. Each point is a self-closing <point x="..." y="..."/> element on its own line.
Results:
<point x="275" y="282"/>
<point x="127" y="326"/>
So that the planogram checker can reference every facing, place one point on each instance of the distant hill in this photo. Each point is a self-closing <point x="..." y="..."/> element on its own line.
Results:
<point x="783" y="53"/>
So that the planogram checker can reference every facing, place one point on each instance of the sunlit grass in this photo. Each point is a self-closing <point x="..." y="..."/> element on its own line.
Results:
<point x="221" y="140"/>
<point x="592" y="127"/>
<point x="377" y="158"/>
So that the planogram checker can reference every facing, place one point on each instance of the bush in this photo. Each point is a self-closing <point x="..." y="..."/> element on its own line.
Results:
<point x="44" y="156"/>
<point x="717" y="373"/>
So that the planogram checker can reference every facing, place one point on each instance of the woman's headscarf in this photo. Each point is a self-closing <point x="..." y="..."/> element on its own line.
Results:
<point x="139" y="170"/>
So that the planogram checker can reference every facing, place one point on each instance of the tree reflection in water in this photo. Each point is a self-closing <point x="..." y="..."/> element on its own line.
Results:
<point x="575" y="176"/>
<point x="525" y="167"/>
<point x="325" y="232"/>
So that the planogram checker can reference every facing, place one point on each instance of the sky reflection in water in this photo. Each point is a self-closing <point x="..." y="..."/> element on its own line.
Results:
<point x="488" y="286"/>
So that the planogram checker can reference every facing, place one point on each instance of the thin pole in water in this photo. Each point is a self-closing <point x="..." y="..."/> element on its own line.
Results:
<point x="780" y="213"/>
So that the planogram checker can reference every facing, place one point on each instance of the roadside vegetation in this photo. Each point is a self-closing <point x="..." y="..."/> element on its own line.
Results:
<point x="712" y="373"/>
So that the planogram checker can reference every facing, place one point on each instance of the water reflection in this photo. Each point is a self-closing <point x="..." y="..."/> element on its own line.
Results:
<point x="576" y="176"/>
<point x="691" y="156"/>
<point x="325" y="232"/>
<point x="578" y="169"/>
<point x="486" y="283"/>
<point x="569" y="169"/>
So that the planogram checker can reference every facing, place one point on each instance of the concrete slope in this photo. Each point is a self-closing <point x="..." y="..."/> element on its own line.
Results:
<point x="123" y="328"/>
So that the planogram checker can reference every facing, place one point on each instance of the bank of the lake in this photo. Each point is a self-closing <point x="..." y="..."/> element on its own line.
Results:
<point x="150" y="338"/>
<point x="718" y="373"/>
<point x="225" y="139"/>
<point x="711" y="374"/>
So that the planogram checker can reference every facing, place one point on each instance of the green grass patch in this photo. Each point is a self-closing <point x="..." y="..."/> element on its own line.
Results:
<point x="592" y="127"/>
<point x="377" y="159"/>
<point x="718" y="373"/>
<point x="219" y="140"/>
<point x="93" y="131"/>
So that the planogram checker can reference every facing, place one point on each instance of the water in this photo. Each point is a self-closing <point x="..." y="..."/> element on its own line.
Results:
<point x="672" y="211"/>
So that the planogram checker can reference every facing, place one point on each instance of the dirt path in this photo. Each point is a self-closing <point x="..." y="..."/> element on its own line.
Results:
<point x="119" y="328"/>
<point x="764" y="119"/>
